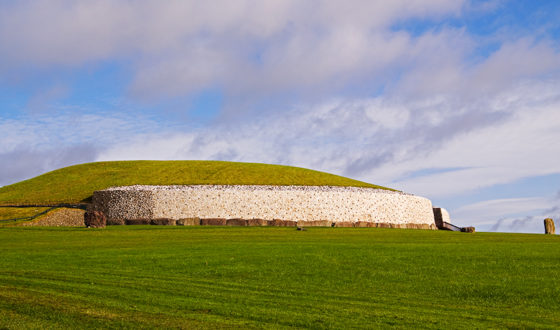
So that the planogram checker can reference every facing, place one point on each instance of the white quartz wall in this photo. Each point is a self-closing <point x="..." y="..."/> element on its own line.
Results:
<point x="264" y="202"/>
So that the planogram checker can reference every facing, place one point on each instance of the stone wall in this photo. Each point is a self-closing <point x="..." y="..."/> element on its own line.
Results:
<point x="293" y="203"/>
<point x="121" y="204"/>
<point x="441" y="216"/>
<point x="60" y="217"/>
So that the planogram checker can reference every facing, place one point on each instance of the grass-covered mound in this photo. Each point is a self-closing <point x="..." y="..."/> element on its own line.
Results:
<point x="276" y="278"/>
<point x="19" y="212"/>
<point x="76" y="183"/>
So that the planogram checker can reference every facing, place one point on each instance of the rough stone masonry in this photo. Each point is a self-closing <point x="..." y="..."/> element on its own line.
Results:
<point x="289" y="203"/>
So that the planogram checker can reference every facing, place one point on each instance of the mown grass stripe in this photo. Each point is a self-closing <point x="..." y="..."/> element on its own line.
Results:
<point x="278" y="277"/>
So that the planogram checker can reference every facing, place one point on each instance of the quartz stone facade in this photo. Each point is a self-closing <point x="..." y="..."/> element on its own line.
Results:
<point x="289" y="203"/>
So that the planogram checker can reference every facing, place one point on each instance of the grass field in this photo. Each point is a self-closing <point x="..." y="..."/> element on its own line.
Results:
<point x="76" y="183"/>
<point x="271" y="277"/>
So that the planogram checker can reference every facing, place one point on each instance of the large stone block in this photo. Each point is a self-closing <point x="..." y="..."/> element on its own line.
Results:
<point x="314" y="223"/>
<point x="344" y="224"/>
<point x="115" y="221"/>
<point x="188" y="222"/>
<point x="257" y="222"/>
<point x="138" y="221"/>
<point x="95" y="219"/>
<point x="213" y="222"/>
<point x="236" y="222"/>
<point x="549" y="226"/>
<point x="163" y="222"/>
<point x="303" y="223"/>
<point x="282" y="223"/>
<point x="322" y="223"/>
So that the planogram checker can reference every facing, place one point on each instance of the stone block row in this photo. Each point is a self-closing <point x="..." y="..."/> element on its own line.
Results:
<point x="271" y="223"/>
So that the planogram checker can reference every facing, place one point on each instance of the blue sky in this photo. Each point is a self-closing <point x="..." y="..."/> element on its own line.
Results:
<point x="457" y="101"/>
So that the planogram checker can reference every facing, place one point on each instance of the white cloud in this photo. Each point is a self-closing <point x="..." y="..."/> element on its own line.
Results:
<point x="185" y="46"/>
<point x="167" y="146"/>
<point x="509" y="215"/>
<point x="382" y="140"/>
<point x="378" y="140"/>
<point x="488" y="212"/>
<point x="32" y="145"/>
<point x="522" y="144"/>
<point x="298" y="79"/>
<point x="48" y="130"/>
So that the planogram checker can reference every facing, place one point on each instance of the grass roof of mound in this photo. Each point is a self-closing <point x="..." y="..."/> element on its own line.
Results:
<point x="76" y="183"/>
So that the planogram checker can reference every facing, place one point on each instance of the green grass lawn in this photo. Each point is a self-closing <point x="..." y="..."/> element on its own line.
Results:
<point x="272" y="277"/>
<point x="76" y="183"/>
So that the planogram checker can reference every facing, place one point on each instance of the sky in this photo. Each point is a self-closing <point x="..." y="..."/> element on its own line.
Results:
<point x="454" y="100"/>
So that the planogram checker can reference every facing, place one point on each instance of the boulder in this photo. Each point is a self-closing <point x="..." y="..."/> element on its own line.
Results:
<point x="213" y="222"/>
<point x="549" y="226"/>
<point x="95" y="219"/>
<point x="467" y="229"/>
<point x="188" y="222"/>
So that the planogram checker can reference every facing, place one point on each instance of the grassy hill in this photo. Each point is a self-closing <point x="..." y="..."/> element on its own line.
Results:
<point x="276" y="278"/>
<point x="76" y="183"/>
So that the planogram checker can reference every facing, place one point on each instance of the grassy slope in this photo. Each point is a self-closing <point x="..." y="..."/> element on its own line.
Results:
<point x="77" y="183"/>
<point x="23" y="212"/>
<point x="16" y="212"/>
<point x="213" y="277"/>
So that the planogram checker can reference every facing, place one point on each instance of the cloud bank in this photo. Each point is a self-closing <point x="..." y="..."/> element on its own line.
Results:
<point x="407" y="94"/>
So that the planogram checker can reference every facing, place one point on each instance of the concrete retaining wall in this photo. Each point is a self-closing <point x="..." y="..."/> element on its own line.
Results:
<point x="292" y="203"/>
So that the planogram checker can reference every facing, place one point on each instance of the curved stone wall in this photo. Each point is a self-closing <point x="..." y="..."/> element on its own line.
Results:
<point x="294" y="203"/>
